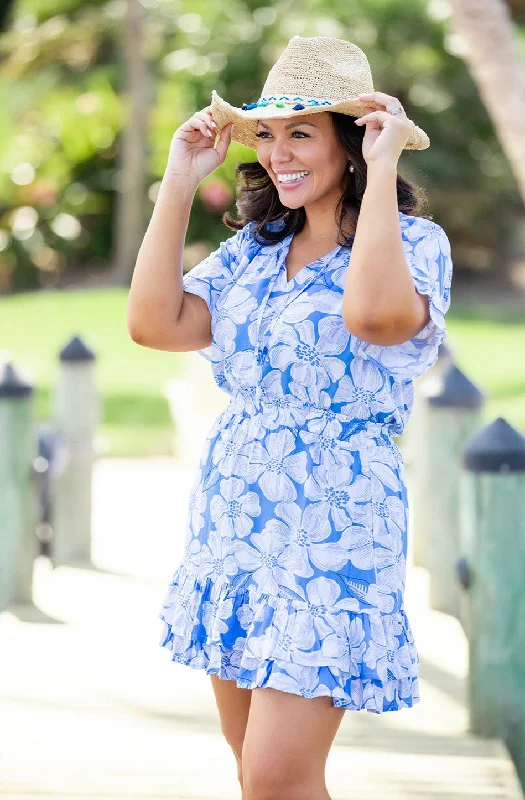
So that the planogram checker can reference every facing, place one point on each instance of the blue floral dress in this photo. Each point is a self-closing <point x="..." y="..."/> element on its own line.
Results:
<point x="294" y="565"/>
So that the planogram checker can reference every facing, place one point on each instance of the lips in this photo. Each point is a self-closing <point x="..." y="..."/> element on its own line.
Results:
<point x="292" y="184"/>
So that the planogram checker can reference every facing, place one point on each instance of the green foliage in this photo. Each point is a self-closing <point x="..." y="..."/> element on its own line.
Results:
<point x="62" y="109"/>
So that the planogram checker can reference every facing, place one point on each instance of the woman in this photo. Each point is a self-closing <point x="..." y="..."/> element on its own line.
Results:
<point x="290" y="592"/>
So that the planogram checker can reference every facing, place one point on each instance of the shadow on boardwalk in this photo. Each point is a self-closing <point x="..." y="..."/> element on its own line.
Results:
<point x="92" y="707"/>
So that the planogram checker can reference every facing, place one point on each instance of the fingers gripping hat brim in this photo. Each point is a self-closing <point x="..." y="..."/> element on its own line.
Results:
<point x="312" y="75"/>
<point x="245" y="122"/>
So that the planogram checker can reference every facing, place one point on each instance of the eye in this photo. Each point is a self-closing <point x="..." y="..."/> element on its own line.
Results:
<point x="262" y="134"/>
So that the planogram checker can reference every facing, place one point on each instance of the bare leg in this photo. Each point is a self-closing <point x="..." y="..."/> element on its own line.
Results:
<point x="233" y="705"/>
<point x="287" y="741"/>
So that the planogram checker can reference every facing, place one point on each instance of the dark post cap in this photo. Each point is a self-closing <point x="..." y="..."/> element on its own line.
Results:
<point x="497" y="447"/>
<point x="76" y="350"/>
<point x="454" y="390"/>
<point x="11" y="384"/>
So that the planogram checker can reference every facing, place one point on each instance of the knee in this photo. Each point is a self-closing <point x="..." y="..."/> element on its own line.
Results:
<point x="266" y="781"/>
<point x="236" y="744"/>
<point x="239" y="770"/>
<point x="235" y="740"/>
<point x="237" y="752"/>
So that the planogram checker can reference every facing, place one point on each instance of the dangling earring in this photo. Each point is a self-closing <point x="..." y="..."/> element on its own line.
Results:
<point x="351" y="167"/>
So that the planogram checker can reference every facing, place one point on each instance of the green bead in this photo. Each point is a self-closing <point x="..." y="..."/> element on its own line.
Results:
<point x="280" y="105"/>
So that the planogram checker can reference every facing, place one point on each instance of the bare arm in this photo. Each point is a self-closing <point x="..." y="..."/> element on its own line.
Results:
<point x="160" y="314"/>
<point x="156" y="299"/>
<point x="380" y="303"/>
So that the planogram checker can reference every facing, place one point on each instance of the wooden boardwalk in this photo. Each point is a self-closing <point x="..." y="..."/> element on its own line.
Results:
<point x="92" y="708"/>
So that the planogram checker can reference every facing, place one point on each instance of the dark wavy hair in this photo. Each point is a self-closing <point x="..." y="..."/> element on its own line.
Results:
<point x="258" y="199"/>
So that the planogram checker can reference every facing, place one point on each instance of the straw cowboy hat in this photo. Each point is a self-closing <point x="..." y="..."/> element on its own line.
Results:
<point x="313" y="74"/>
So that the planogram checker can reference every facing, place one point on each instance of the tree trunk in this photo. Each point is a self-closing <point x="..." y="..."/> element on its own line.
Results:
<point x="495" y="62"/>
<point x="6" y="7"/>
<point x="130" y="222"/>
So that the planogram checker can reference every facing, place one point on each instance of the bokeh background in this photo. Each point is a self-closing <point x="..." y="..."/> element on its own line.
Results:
<point x="90" y="95"/>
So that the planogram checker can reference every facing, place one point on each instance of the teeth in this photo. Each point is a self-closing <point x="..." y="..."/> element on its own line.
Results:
<point x="292" y="176"/>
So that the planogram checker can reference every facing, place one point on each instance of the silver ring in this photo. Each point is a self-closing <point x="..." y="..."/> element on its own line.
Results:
<point x="397" y="110"/>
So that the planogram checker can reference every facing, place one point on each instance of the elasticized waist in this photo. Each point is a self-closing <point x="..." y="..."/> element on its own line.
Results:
<point x="287" y="410"/>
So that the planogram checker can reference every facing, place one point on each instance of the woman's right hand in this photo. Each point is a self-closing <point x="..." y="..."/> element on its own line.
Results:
<point x="192" y="153"/>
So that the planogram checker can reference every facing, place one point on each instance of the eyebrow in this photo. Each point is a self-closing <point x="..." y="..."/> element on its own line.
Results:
<point x="292" y="125"/>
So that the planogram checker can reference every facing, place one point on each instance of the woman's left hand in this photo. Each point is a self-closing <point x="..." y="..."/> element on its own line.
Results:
<point x="386" y="134"/>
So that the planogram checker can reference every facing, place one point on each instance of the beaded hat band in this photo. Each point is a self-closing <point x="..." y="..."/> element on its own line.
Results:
<point x="313" y="74"/>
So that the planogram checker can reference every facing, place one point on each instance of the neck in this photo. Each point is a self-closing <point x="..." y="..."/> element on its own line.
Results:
<point x="321" y="224"/>
<point x="325" y="229"/>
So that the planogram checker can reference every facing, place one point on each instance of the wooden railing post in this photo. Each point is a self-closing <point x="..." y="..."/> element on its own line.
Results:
<point x="409" y="442"/>
<point x="453" y="413"/>
<point x="18" y="496"/>
<point x="76" y="415"/>
<point x="491" y="571"/>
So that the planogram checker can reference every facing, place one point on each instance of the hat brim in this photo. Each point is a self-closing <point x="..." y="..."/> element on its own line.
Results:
<point x="245" y="121"/>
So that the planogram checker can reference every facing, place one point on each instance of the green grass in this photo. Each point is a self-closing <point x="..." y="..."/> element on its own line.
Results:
<point x="488" y="344"/>
<point x="35" y="326"/>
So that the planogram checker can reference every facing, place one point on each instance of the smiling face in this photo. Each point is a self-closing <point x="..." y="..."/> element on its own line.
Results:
<point x="308" y="143"/>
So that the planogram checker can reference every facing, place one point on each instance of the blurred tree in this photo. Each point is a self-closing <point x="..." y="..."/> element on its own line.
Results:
<point x="74" y="165"/>
<point x="131" y="190"/>
<point x="517" y="9"/>
<point x="497" y="65"/>
<point x="60" y="116"/>
<point x="6" y="6"/>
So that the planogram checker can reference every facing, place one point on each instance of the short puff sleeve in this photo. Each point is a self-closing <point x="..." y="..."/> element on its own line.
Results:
<point x="208" y="278"/>
<point x="427" y="250"/>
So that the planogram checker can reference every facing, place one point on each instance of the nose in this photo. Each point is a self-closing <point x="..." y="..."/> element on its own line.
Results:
<point x="280" y="151"/>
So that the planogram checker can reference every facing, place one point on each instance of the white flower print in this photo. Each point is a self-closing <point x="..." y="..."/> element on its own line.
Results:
<point x="360" y="393"/>
<point x="229" y="314"/>
<point x="384" y="653"/>
<point x="358" y="544"/>
<point x="313" y="398"/>
<point x="317" y="626"/>
<point x="305" y="532"/>
<point x="391" y="567"/>
<point x="386" y="455"/>
<point x="235" y="309"/>
<point x="232" y="451"/>
<point x="213" y="560"/>
<point x="192" y="552"/>
<point x="333" y="335"/>
<point x="423" y="243"/>
<point x="196" y="507"/>
<point x="300" y="309"/>
<point x="242" y="367"/>
<point x="232" y="509"/>
<point x="275" y="467"/>
<point x="215" y="616"/>
<point x="262" y="557"/>
<point x="311" y="358"/>
<point x="283" y="409"/>
<point x="299" y="680"/>
<point x="388" y="510"/>
<point x="230" y="662"/>
<point x="244" y="615"/>
<point x="331" y="486"/>
<point x="310" y="636"/>
<point x="323" y="447"/>
<point x="260" y="267"/>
